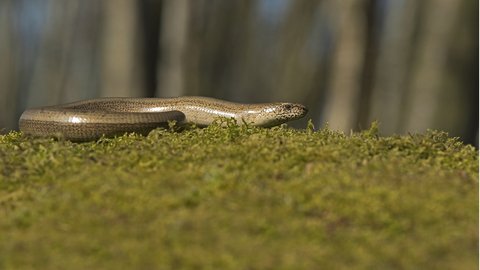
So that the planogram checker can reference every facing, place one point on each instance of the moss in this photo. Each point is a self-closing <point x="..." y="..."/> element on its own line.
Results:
<point x="240" y="198"/>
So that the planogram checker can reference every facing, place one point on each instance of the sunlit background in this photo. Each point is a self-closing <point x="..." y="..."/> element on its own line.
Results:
<point x="413" y="65"/>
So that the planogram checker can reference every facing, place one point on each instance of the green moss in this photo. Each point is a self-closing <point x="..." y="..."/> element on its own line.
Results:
<point x="240" y="198"/>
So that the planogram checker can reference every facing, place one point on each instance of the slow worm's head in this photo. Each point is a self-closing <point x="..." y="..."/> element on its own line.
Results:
<point x="274" y="114"/>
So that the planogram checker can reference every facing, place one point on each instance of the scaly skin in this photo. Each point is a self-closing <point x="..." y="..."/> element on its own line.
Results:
<point x="91" y="119"/>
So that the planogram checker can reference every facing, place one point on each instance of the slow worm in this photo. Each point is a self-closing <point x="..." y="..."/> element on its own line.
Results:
<point x="91" y="119"/>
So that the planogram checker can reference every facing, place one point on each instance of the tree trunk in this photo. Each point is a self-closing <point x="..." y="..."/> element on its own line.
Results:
<point x="344" y="92"/>
<point x="121" y="62"/>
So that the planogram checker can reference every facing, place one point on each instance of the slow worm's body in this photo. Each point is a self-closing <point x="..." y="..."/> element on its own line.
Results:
<point x="91" y="119"/>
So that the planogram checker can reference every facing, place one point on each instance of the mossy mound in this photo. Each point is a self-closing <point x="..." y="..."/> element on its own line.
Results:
<point x="240" y="198"/>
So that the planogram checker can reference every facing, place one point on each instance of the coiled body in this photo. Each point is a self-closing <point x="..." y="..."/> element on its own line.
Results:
<point x="91" y="119"/>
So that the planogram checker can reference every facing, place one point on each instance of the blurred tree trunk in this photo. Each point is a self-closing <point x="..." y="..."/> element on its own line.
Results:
<point x="465" y="56"/>
<point x="458" y="103"/>
<point x="206" y="49"/>
<point x="8" y="70"/>
<point x="297" y="74"/>
<point x="368" y="74"/>
<point x="150" y="11"/>
<point x="173" y="47"/>
<point x="348" y="62"/>
<point x="121" y="64"/>
<point x="242" y="82"/>
<point x="193" y="54"/>
<point x="224" y="39"/>
<point x="54" y="62"/>
<point x="66" y="68"/>
<point x="295" y="69"/>
<point x="393" y="66"/>
<point x="429" y="66"/>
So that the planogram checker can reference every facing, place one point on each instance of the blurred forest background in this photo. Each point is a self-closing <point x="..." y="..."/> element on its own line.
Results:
<point x="413" y="65"/>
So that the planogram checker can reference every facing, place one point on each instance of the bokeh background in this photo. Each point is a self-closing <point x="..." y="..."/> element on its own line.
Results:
<point x="413" y="65"/>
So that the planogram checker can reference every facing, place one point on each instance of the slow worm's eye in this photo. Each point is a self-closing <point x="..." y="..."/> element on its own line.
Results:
<point x="287" y="106"/>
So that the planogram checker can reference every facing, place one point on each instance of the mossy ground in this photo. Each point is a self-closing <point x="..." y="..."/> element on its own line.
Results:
<point x="239" y="198"/>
